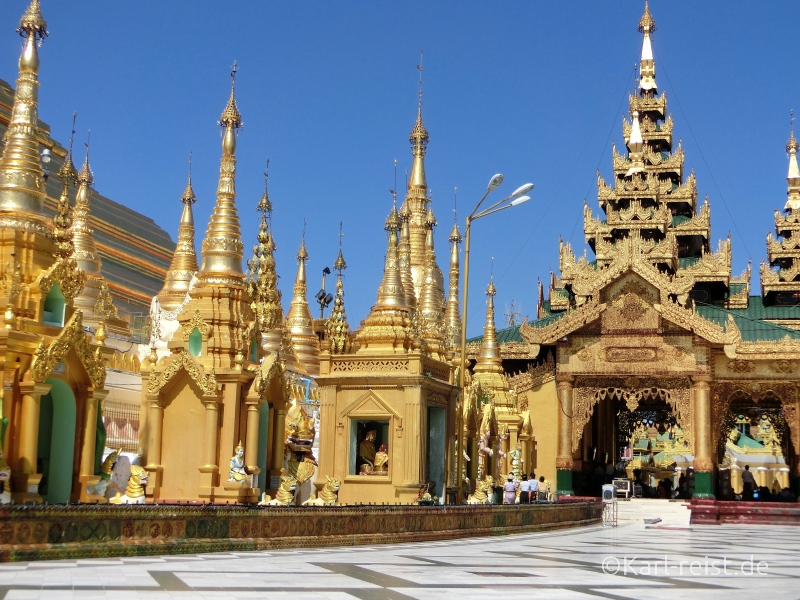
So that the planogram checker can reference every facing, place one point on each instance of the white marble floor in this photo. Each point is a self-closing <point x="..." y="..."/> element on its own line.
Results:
<point x="630" y="561"/>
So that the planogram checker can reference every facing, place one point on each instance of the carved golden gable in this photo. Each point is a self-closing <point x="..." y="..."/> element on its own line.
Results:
<point x="630" y="306"/>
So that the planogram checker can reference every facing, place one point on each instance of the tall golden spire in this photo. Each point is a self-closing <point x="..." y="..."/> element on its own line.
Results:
<point x="489" y="359"/>
<point x="263" y="280"/>
<point x="793" y="177"/>
<point x="22" y="185"/>
<point x="405" y="260"/>
<point x="387" y="328"/>
<point x="222" y="248"/>
<point x="337" y="327"/>
<point x="416" y="202"/>
<point x="299" y="320"/>
<point x="431" y="298"/>
<point x="183" y="267"/>
<point x="647" y="66"/>
<point x="82" y="236"/>
<point x="62" y="219"/>
<point x="453" y="313"/>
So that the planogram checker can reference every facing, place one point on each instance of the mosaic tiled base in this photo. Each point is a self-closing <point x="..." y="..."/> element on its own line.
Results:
<point x="50" y="532"/>
<point x="716" y="512"/>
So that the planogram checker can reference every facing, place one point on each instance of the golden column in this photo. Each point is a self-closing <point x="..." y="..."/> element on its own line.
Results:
<point x="251" y="443"/>
<point x="155" y="427"/>
<point x="564" y="385"/>
<point x="87" y="478"/>
<point x="210" y="468"/>
<point x="703" y="457"/>
<point x="277" y="425"/>
<point x="26" y="479"/>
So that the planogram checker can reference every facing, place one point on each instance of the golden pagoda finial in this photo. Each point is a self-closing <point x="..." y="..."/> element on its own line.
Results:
<point x="223" y="250"/>
<point x="387" y="325"/>
<point x="299" y="321"/>
<point x="183" y="268"/>
<point x="264" y="205"/>
<point x="419" y="141"/>
<point x="646" y="23"/>
<point x="22" y="185"/>
<point x="647" y="65"/>
<point x="188" y="196"/>
<point x="793" y="177"/>
<point x="231" y="116"/>
<point x="337" y="327"/>
<point x="340" y="265"/>
<point x="86" y="254"/>
<point x="32" y="22"/>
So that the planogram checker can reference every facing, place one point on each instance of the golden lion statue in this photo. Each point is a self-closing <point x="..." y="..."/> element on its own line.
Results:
<point x="285" y="494"/>
<point x="328" y="496"/>
<point x="483" y="489"/>
<point x="134" y="492"/>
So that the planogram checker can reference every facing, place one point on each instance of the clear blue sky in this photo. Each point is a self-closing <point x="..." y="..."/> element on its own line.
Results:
<point x="328" y="91"/>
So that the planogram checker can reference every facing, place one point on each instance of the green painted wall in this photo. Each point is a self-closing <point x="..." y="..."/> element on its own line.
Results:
<point x="57" y="441"/>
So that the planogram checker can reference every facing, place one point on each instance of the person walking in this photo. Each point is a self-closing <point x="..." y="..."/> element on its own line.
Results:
<point x="748" y="483"/>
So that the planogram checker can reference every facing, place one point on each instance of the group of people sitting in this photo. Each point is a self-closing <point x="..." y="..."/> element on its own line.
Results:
<point x="530" y="489"/>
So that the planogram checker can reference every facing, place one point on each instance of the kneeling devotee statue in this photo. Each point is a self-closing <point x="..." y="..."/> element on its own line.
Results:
<point x="238" y="472"/>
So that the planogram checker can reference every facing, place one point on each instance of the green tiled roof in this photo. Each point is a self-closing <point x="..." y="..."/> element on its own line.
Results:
<point x="511" y="334"/>
<point x="680" y="220"/>
<point x="751" y="320"/>
<point x="745" y="441"/>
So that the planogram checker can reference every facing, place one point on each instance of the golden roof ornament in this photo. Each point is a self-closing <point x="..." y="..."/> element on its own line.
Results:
<point x="22" y="184"/>
<point x="404" y="255"/>
<point x="183" y="268"/>
<point x="647" y="66"/>
<point x="223" y="250"/>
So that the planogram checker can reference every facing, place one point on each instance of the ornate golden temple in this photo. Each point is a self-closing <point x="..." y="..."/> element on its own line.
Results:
<point x="653" y="351"/>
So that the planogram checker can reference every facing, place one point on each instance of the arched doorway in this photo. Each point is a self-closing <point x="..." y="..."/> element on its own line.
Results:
<point x="56" y="450"/>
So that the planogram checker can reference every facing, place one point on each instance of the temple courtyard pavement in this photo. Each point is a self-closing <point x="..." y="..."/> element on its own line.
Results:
<point x="629" y="561"/>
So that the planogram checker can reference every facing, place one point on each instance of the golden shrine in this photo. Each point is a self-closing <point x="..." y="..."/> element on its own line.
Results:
<point x="656" y="326"/>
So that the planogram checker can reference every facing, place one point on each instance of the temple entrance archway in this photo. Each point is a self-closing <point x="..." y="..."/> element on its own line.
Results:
<point x="56" y="447"/>
<point x="755" y="433"/>
<point x="639" y="428"/>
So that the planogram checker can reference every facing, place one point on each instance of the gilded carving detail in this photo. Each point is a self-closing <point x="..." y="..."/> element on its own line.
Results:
<point x="196" y="322"/>
<point x="66" y="273"/>
<point x="589" y="391"/>
<point x="359" y="366"/>
<point x="534" y="376"/>
<point x="183" y="360"/>
<point x="741" y="366"/>
<point x="72" y="336"/>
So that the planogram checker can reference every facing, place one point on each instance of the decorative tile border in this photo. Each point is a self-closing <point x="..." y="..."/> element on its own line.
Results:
<point x="58" y="532"/>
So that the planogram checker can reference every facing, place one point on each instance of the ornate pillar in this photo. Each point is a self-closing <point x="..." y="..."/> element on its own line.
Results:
<point x="703" y="452"/>
<point x="564" y="441"/>
<point x="251" y="443"/>
<point x="278" y="426"/>
<point x="87" y="477"/>
<point x="25" y="478"/>
<point x="210" y="469"/>
<point x="152" y="452"/>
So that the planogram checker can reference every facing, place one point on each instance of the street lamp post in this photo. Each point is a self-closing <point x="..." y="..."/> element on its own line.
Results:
<point x="515" y="199"/>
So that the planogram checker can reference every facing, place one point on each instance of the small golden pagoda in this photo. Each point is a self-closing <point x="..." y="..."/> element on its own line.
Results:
<point x="387" y="407"/>
<point x="210" y="383"/>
